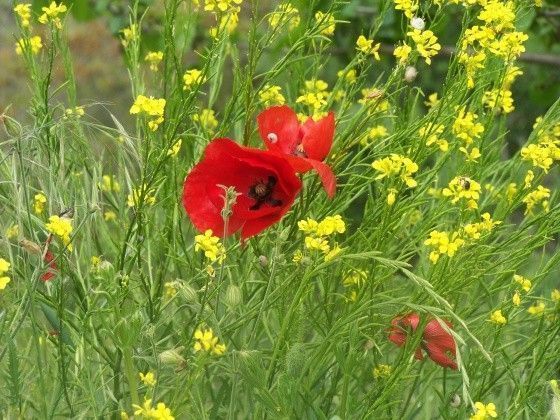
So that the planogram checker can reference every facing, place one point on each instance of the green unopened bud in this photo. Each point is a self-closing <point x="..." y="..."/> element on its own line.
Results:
<point x="233" y="295"/>
<point x="12" y="127"/>
<point x="263" y="261"/>
<point x="172" y="356"/>
<point x="189" y="294"/>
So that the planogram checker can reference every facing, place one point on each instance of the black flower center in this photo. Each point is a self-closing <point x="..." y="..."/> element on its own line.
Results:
<point x="262" y="192"/>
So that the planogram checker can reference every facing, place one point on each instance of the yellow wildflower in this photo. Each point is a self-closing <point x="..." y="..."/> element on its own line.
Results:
<point x="432" y="100"/>
<point x="498" y="15"/>
<point x="382" y="371"/>
<point x="110" y="184"/>
<point x="402" y="52"/>
<point x="153" y="107"/>
<point x="326" y="23"/>
<point x="499" y="100"/>
<point x="444" y="243"/>
<point x="220" y="5"/>
<point x="537" y="309"/>
<point x="34" y="43"/>
<point x="463" y="188"/>
<point x="484" y="411"/>
<point x="12" y="232"/>
<point x="524" y="282"/>
<point x="154" y="58"/>
<point x="285" y="14"/>
<point x="433" y="132"/>
<point x="207" y="120"/>
<point x="109" y="216"/>
<point x="349" y="75"/>
<point x="466" y="127"/>
<point x="175" y="148"/>
<point x="408" y="7"/>
<point x="541" y="155"/>
<point x="472" y="62"/>
<point x="62" y="228"/>
<point x="23" y="10"/>
<point x="315" y="94"/>
<point x="330" y="225"/>
<point x="391" y="196"/>
<point x="366" y="46"/>
<point x="555" y="295"/>
<point x="395" y="165"/>
<point x="137" y="194"/>
<point x="540" y="195"/>
<point x="148" y="378"/>
<point x="52" y="14"/>
<point x="516" y="299"/>
<point x="210" y="245"/>
<point x="498" y="318"/>
<point x="206" y="341"/>
<point x="426" y="44"/>
<point x="192" y="79"/>
<point x="147" y="411"/>
<point x="170" y="288"/>
<point x="271" y="95"/>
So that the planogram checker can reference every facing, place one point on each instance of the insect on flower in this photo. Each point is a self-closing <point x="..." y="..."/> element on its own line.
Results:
<point x="265" y="183"/>
<point x="436" y="341"/>
<point x="305" y="146"/>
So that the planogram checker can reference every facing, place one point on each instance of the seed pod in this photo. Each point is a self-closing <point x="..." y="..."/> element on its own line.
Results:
<point x="233" y="296"/>
<point x="12" y="127"/>
<point x="263" y="261"/>
<point x="172" y="356"/>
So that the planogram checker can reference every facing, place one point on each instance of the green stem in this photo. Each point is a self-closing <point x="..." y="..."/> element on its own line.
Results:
<point x="131" y="375"/>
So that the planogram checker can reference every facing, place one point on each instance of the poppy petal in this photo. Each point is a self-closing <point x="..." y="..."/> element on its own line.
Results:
<point x="318" y="137"/>
<point x="279" y="129"/>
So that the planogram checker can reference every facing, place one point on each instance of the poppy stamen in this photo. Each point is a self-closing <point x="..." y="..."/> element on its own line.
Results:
<point x="262" y="192"/>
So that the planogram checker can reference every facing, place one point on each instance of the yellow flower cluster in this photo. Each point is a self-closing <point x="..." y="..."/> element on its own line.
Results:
<point x="524" y="282"/>
<point x="211" y="246"/>
<point x="52" y="13"/>
<point x="426" y="44"/>
<point x="382" y="371"/>
<point x="175" y="148"/>
<point x="136" y="194"/>
<point x="366" y="46"/>
<point x="396" y="165"/>
<point x="408" y="7"/>
<point x="12" y="232"/>
<point x="326" y="23"/>
<point x="206" y="119"/>
<point x="23" y="10"/>
<point x="153" y="107"/>
<point x="192" y="79"/>
<point x="34" y="44"/>
<point x="536" y="197"/>
<point x="220" y="5"/>
<point x="77" y="112"/>
<point x="432" y="132"/>
<point x="460" y="188"/>
<point x="147" y="411"/>
<point x="4" y="268"/>
<point x="448" y="243"/>
<point x="348" y="75"/>
<point x="39" y="203"/>
<point x="537" y="309"/>
<point x="148" y="378"/>
<point x="153" y="58"/>
<point x="497" y="36"/>
<point x="498" y="318"/>
<point x="466" y="127"/>
<point x="130" y="34"/>
<point x="110" y="184"/>
<point x="444" y="243"/>
<point x="285" y="14"/>
<point x="314" y="95"/>
<point x="271" y="95"/>
<point x="402" y="52"/>
<point x="546" y="150"/>
<point x="474" y="231"/>
<point x="61" y="227"/>
<point x="499" y="100"/>
<point x="318" y="233"/>
<point x="484" y="411"/>
<point x="206" y="341"/>
<point x="228" y="23"/>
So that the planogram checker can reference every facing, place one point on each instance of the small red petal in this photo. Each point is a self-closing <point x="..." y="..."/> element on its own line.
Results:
<point x="279" y="129"/>
<point x="318" y="137"/>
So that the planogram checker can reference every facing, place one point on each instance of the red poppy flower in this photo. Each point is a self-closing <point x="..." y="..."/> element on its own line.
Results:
<point x="436" y="341"/>
<point x="304" y="145"/>
<point x="52" y="268"/>
<point x="266" y="183"/>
